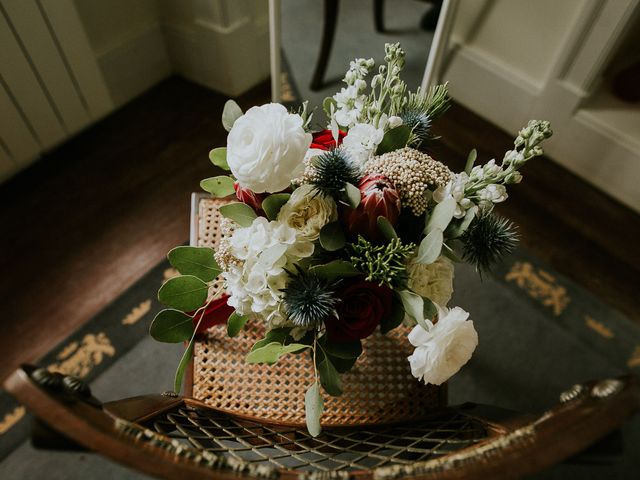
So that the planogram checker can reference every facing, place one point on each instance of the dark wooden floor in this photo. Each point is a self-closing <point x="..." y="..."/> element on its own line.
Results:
<point x="87" y="221"/>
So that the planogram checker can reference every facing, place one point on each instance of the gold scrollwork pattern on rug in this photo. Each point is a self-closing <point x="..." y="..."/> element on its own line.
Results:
<point x="137" y="313"/>
<point x="598" y="327"/>
<point x="11" y="418"/>
<point x="170" y="273"/>
<point x="540" y="285"/>
<point x="634" y="358"/>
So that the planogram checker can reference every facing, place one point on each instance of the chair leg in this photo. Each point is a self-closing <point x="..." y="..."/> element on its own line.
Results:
<point x="328" y="32"/>
<point x="378" y="15"/>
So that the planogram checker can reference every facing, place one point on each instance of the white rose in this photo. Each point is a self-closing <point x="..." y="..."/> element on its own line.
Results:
<point x="266" y="148"/>
<point x="443" y="349"/>
<point x="433" y="281"/>
<point x="308" y="211"/>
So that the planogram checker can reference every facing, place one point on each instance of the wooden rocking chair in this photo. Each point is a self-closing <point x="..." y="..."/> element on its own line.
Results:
<point x="176" y="438"/>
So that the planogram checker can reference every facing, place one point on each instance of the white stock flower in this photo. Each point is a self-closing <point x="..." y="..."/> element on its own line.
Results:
<point x="433" y="281"/>
<point x="445" y="348"/>
<point x="455" y="188"/>
<point x="265" y="249"/>
<point x="266" y="148"/>
<point x="362" y="141"/>
<point x="307" y="211"/>
<point x="493" y="193"/>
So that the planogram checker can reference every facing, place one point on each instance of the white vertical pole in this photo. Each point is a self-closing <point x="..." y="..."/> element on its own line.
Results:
<point x="439" y="44"/>
<point x="274" y="49"/>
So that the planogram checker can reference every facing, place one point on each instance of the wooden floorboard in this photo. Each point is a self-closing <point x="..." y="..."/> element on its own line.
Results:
<point x="93" y="216"/>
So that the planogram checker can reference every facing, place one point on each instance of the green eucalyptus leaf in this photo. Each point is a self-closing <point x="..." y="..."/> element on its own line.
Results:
<point x="197" y="261"/>
<point x="235" y="323"/>
<point x="273" y="203"/>
<point x="343" y="365"/>
<point x="326" y="105"/>
<point x="430" y="311"/>
<point x="395" y="319"/>
<point x="329" y="377"/>
<point x="386" y="228"/>
<point x="313" y="409"/>
<point x="335" y="269"/>
<point x="332" y="237"/>
<point x="441" y="215"/>
<point x="171" y="326"/>
<point x="219" y="187"/>
<point x="352" y="195"/>
<point x="182" y="367"/>
<point x="457" y="228"/>
<point x="239" y="212"/>
<point x="272" y="352"/>
<point x="448" y="252"/>
<point x="414" y="306"/>
<point x="430" y="247"/>
<point x="278" y="335"/>
<point x="471" y="159"/>
<point x="394" y="139"/>
<point x="230" y="114"/>
<point x="344" y="350"/>
<point x="218" y="157"/>
<point x="185" y="292"/>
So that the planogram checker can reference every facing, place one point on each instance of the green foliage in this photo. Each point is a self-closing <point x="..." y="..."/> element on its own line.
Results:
<point x="430" y="247"/>
<point x="271" y="352"/>
<point x="171" y="326"/>
<point x="278" y="335"/>
<point x="329" y="377"/>
<point x="219" y="187"/>
<point x="230" y="114"/>
<point x="458" y="226"/>
<point x="441" y="215"/>
<point x="239" y="212"/>
<point x="313" y="408"/>
<point x="352" y="195"/>
<point x="386" y="228"/>
<point x="235" y="323"/>
<point x="344" y="350"/>
<point x="385" y="264"/>
<point x="418" y="308"/>
<point x="332" y="237"/>
<point x="197" y="261"/>
<point x="182" y="366"/>
<point x="471" y="159"/>
<point x="335" y="270"/>
<point x="186" y="293"/>
<point x="273" y="203"/>
<point x="392" y="321"/>
<point x="394" y="139"/>
<point x="327" y="103"/>
<point x="218" y="157"/>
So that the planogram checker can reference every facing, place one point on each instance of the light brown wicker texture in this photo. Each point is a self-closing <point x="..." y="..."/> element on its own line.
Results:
<point x="379" y="389"/>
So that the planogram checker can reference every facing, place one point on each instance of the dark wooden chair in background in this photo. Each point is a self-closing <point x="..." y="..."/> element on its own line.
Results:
<point x="428" y="22"/>
<point x="174" y="437"/>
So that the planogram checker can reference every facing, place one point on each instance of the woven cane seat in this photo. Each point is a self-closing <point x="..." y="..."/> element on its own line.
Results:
<point x="379" y="389"/>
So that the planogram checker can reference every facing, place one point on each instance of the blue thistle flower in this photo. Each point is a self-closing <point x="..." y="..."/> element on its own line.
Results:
<point x="487" y="240"/>
<point x="332" y="170"/>
<point x="309" y="300"/>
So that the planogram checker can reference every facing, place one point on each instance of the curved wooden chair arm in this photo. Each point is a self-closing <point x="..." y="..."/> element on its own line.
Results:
<point x="133" y="432"/>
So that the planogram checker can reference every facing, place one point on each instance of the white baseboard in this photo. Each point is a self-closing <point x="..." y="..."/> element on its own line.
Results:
<point x="135" y="64"/>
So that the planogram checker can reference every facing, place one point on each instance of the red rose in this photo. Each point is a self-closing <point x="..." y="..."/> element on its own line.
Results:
<point x="361" y="307"/>
<point x="216" y="313"/>
<point x="254" y="200"/>
<point x="323" y="140"/>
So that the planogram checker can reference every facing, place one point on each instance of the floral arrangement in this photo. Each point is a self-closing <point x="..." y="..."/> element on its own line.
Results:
<point x="341" y="232"/>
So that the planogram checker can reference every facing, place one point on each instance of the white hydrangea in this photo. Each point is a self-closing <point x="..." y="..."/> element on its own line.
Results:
<point x="362" y="141"/>
<point x="443" y="349"/>
<point x="433" y="281"/>
<point x="455" y="188"/>
<point x="265" y="250"/>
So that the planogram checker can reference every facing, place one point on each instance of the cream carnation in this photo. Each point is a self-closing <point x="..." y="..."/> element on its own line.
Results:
<point x="433" y="281"/>
<point x="265" y="250"/>
<point x="362" y="141"/>
<point x="442" y="350"/>
<point x="266" y="148"/>
<point x="307" y="211"/>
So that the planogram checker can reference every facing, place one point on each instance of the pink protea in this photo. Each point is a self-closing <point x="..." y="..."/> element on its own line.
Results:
<point x="378" y="197"/>
<point x="254" y="200"/>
